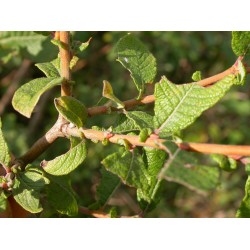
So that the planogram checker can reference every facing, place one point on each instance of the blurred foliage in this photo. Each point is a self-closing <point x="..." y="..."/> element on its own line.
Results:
<point x="178" y="55"/>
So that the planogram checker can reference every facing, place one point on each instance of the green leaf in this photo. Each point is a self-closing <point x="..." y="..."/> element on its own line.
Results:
<point x="22" y="39"/>
<point x="124" y="125"/>
<point x="154" y="159"/>
<point x="241" y="77"/>
<point x="108" y="93"/>
<point x="141" y="119"/>
<point x="129" y="166"/>
<point x="136" y="58"/>
<point x="240" y="42"/>
<point x="107" y="187"/>
<point x="244" y="209"/>
<point x="66" y="163"/>
<point x="27" y="96"/>
<point x="178" y="106"/>
<point x="4" y="151"/>
<point x="50" y="69"/>
<point x="225" y="163"/>
<point x="183" y="167"/>
<point x="144" y="134"/>
<point x="196" y="76"/>
<point x="78" y="46"/>
<point x="26" y="190"/>
<point x="61" y="196"/>
<point x="3" y="202"/>
<point x="72" y="110"/>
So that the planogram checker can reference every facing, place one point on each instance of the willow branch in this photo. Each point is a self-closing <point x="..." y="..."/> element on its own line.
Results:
<point x="150" y="98"/>
<point x="65" y="56"/>
<point x="41" y="145"/>
<point x="230" y="150"/>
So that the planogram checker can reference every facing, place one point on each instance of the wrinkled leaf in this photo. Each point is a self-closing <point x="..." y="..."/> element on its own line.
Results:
<point x="22" y="39"/>
<point x="241" y="77"/>
<point x="4" y="151"/>
<point x="50" y="69"/>
<point x="3" y="202"/>
<point x="141" y="119"/>
<point x="124" y="125"/>
<point x="225" y="163"/>
<point x="66" y="163"/>
<point x="27" y="96"/>
<point x="26" y="190"/>
<point x="72" y="110"/>
<point x="136" y="58"/>
<point x="107" y="187"/>
<point x="244" y="209"/>
<point x="240" y="42"/>
<point x="183" y="167"/>
<point x="178" y="106"/>
<point x="61" y="196"/>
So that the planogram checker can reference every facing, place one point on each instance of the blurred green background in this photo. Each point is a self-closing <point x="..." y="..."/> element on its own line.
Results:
<point x="178" y="55"/>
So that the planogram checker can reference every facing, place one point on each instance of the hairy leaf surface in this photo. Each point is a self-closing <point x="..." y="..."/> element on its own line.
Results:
<point x="4" y="151"/>
<point x="50" y="69"/>
<point x="72" y="110"/>
<point x="136" y="58"/>
<point x="27" y="96"/>
<point x="240" y="42"/>
<point x="26" y="190"/>
<point x="178" y="106"/>
<point x="66" y="163"/>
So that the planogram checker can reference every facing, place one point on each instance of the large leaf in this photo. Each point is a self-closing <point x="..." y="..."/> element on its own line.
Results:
<point x="26" y="190"/>
<point x="177" y="106"/>
<point x="27" y="96"/>
<point x="135" y="57"/>
<point x="50" y="69"/>
<point x="22" y="39"/>
<point x="244" y="209"/>
<point x="72" y="110"/>
<point x="240" y="42"/>
<point x="107" y="187"/>
<point x="4" y="151"/>
<point x="61" y="196"/>
<point x="183" y="167"/>
<point x="66" y="163"/>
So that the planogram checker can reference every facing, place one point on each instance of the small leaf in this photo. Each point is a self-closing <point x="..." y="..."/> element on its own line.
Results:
<point x="196" y="76"/>
<point x="66" y="163"/>
<point x="144" y="134"/>
<point x="78" y="46"/>
<point x="3" y="202"/>
<point x="61" y="196"/>
<point x="182" y="167"/>
<point x="244" y="209"/>
<point x="225" y="163"/>
<point x="241" y="77"/>
<point x="240" y="42"/>
<point x="72" y="110"/>
<point x="108" y="93"/>
<point x="26" y="190"/>
<point x="107" y="187"/>
<point x="50" y="69"/>
<point x="136" y="58"/>
<point x="27" y="96"/>
<point x="178" y="106"/>
<point x="4" y="151"/>
<point x="124" y="124"/>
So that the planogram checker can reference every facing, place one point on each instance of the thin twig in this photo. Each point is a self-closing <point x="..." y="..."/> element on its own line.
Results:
<point x="21" y="72"/>
<point x="230" y="150"/>
<point x="65" y="56"/>
<point x="150" y="98"/>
